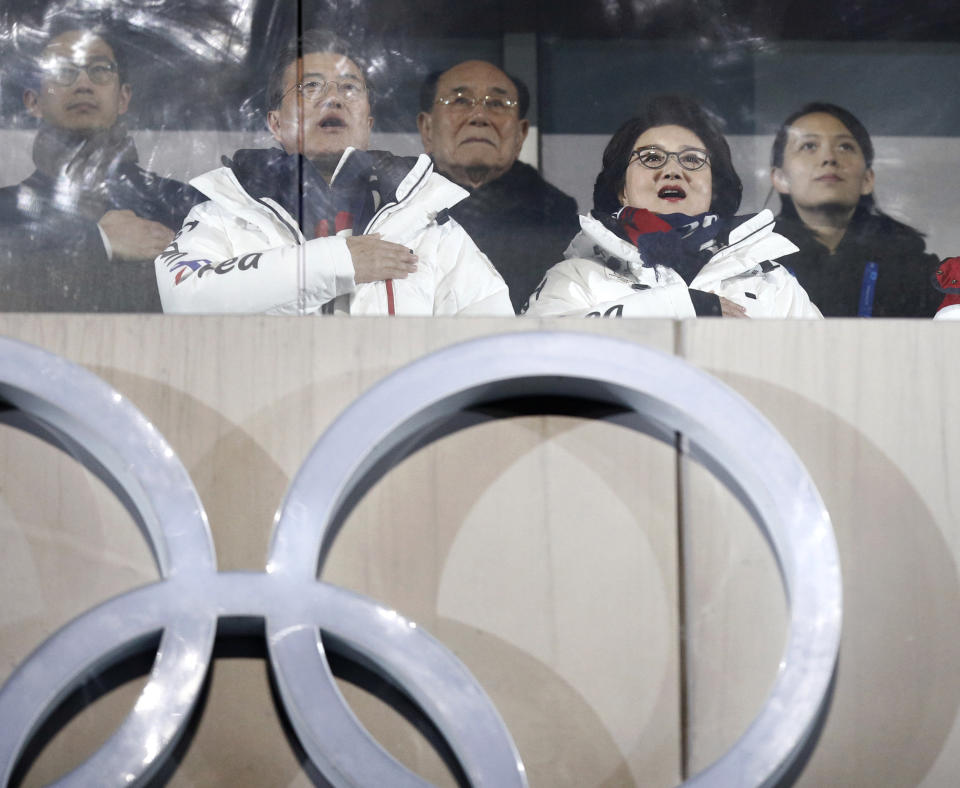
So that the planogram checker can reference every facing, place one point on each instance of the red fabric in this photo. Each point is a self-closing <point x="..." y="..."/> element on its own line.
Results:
<point x="948" y="275"/>
<point x="948" y="279"/>
<point x="391" y="310"/>
<point x="640" y="221"/>
<point x="344" y="221"/>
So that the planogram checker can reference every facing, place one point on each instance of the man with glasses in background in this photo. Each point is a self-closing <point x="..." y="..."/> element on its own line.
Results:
<point x="323" y="225"/>
<point x="473" y="123"/>
<point x="81" y="232"/>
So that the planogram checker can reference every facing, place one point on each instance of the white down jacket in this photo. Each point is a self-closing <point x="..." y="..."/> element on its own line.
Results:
<point x="605" y="276"/>
<point x="236" y="253"/>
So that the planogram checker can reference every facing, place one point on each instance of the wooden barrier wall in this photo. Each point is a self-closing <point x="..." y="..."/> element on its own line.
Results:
<point x="559" y="558"/>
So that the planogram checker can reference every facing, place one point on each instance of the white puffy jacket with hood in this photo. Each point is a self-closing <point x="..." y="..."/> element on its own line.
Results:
<point x="246" y="253"/>
<point x="605" y="276"/>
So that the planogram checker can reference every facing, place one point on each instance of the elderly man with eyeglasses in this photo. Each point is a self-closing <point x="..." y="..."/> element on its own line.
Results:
<point x="322" y="225"/>
<point x="81" y="232"/>
<point x="473" y="123"/>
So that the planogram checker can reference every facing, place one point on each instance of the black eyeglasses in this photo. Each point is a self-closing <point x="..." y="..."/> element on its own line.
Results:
<point x="654" y="157"/>
<point x="463" y="102"/>
<point x="65" y="73"/>
<point x="348" y="89"/>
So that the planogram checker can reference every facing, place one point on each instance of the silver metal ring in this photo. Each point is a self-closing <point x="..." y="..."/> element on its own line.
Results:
<point x="403" y="412"/>
<point x="724" y="432"/>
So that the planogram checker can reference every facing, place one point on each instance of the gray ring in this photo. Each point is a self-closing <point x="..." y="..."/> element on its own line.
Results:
<point x="74" y="408"/>
<point x="724" y="432"/>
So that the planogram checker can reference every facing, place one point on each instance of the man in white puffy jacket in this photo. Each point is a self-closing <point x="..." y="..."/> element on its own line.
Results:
<point x="324" y="225"/>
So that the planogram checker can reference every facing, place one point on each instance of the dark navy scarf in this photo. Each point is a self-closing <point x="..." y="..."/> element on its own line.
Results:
<point x="683" y="243"/>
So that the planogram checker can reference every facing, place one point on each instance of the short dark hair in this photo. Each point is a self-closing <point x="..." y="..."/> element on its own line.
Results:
<point x="848" y="119"/>
<point x="310" y="41"/>
<point x="670" y="110"/>
<point x="70" y="25"/>
<point x="428" y="91"/>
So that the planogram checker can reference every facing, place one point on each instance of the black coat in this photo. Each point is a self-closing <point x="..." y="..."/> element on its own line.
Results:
<point x="834" y="280"/>
<point x="523" y="224"/>
<point x="54" y="260"/>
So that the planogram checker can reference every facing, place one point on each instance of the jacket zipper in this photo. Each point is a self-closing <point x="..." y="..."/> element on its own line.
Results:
<point x="298" y="238"/>
<point x="389" y="206"/>
<point x="388" y="283"/>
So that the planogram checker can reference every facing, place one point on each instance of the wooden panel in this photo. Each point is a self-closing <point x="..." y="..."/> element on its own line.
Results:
<point x="529" y="547"/>
<point x="869" y="407"/>
<point x="541" y="550"/>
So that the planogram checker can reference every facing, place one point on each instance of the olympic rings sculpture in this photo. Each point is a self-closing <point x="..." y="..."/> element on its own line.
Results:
<point x="481" y="379"/>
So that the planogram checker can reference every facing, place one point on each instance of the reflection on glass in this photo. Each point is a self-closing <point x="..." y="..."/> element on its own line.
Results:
<point x="544" y="86"/>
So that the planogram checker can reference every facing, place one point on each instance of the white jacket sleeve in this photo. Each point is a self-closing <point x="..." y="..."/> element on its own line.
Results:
<point x="771" y="294"/>
<point x="578" y="288"/>
<point x="793" y="300"/>
<point x="213" y="265"/>
<point x="468" y="284"/>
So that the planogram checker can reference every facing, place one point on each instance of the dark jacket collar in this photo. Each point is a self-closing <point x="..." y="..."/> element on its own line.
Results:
<point x="289" y="179"/>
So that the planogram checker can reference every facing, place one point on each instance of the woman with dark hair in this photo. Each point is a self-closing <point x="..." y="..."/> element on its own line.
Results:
<point x="854" y="260"/>
<point x="662" y="240"/>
